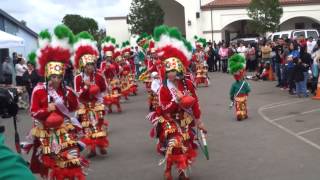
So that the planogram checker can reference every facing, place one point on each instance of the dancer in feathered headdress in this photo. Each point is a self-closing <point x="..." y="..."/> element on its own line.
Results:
<point x="199" y="59"/>
<point x="90" y="86"/>
<point x="240" y="88"/>
<point x="52" y="106"/>
<point x="178" y="110"/>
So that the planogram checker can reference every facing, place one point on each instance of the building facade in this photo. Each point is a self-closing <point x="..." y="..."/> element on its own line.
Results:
<point x="117" y="27"/>
<point x="218" y="20"/>
<point x="12" y="26"/>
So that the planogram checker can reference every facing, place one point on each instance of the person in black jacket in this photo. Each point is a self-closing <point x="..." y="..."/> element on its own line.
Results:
<point x="211" y="57"/>
<point x="299" y="79"/>
<point x="31" y="77"/>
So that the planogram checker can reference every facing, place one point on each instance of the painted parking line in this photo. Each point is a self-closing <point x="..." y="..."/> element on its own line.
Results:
<point x="308" y="131"/>
<point x="297" y="135"/>
<point x="274" y="105"/>
<point x="294" y="115"/>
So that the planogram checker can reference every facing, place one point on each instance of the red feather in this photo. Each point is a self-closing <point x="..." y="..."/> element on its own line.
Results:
<point x="48" y="54"/>
<point x="126" y="50"/>
<point x="82" y="50"/>
<point x="116" y="54"/>
<point x="108" y="48"/>
<point x="169" y="51"/>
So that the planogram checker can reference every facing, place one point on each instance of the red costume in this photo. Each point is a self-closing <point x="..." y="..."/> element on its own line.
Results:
<point x="56" y="149"/>
<point x="111" y="71"/>
<point x="200" y="59"/>
<point x="90" y="87"/>
<point x="178" y="112"/>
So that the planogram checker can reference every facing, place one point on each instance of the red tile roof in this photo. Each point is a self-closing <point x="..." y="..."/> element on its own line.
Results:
<point x="245" y="3"/>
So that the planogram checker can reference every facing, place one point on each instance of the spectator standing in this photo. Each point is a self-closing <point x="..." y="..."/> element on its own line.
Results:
<point x="311" y="43"/>
<point x="137" y="57"/>
<point x="242" y="50"/>
<point x="315" y="67"/>
<point x="293" y="54"/>
<point x="217" y="59"/>
<point x="211" y="55"/>
<point x="20" y="68"/>
<point x="266" y="53"/>
<point x="277" y="61"/>
<point x="299" y="78"/>
<point x="224" y="52"/>
<point x="30" y="76"/>
<point x="7" y="72"/>
<point x="251" y="57"/>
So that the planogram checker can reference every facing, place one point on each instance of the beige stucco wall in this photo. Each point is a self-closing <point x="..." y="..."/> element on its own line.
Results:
<point x="119" y="29"/>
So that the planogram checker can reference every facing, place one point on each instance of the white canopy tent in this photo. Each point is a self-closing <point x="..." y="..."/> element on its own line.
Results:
<point x="10" y="41"/>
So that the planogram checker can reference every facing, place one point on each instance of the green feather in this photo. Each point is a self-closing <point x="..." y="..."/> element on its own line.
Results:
<point x="142" y="36"/>
<point x="187" y="44"/>
<point x="236" y="63"/>
<point x="32" y="58"/>
<point x="175" y="33"/>
<point x="158" y="31"/>
<point x="62" y="31"/>
<point x="113" y="40"/>
<point x="84" y="35"/>
<point x="145" y="46"/>
<point x="45" y="34"/>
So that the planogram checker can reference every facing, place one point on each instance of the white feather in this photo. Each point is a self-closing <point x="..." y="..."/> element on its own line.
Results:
<point x="63" y="43"/>
<point x="166" y="40"/>
<point x="43" y="42"/>
<point x="84" y="42"/>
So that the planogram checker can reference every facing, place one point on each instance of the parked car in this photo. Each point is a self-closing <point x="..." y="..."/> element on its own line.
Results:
<point x="293" y="34"/>
<point x="248" y="40"/>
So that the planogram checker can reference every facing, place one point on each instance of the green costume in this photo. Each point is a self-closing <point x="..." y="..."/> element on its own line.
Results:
<point x="236" y="86"/>
<point x="12" y="166"/>
<point x="240" y="88"/>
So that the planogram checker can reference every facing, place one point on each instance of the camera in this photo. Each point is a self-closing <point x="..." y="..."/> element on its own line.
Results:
<point x="8" y="102"/>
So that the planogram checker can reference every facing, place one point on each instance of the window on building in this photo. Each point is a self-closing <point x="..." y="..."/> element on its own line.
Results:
<point x="315" y="26"/>
<point x="299" y="25"/>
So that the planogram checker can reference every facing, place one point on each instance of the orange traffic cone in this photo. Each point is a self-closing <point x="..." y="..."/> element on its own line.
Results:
<point x="317" y="96"/>
<point x="271" y="76"/>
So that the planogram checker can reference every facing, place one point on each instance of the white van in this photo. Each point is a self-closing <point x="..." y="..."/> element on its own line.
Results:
<point x="293" y="34"/>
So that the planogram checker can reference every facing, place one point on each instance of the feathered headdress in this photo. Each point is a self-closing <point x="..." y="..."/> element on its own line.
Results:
<point x="117" y="55"/>
<point x="200" y="42"/>
<point x="236" y="63"/>
<point x="142" y="39"/>
<point x="173" y="49"/>
<point x="125" y="48"/>
<point x="236" y="66"/>
<point x="108" y="45"/>
<point x="85" y="50"/>
<point x="54" y="51"/>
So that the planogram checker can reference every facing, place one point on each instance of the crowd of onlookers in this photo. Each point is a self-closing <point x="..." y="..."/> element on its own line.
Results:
<point x="293" y="63"/>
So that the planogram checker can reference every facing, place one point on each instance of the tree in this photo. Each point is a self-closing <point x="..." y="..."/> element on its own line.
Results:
<point x="265" y="14"/>
<point x="144" y="16"/>
<point x="78" y="23"/>
<point x="99" y="35"/>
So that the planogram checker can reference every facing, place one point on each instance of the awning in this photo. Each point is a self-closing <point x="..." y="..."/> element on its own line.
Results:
<point x="8" y="40"/>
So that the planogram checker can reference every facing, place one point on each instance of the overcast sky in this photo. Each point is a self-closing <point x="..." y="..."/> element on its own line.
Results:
<point x="42" y="14"/>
